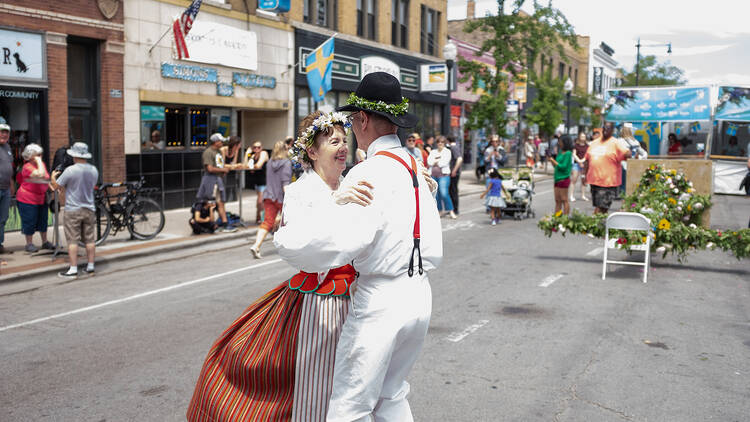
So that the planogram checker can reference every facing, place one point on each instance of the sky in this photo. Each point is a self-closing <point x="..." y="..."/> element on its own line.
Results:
<point x="710" y="39"/>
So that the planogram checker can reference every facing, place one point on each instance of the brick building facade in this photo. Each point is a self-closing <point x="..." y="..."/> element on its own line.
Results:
<point x="78" y="96"/>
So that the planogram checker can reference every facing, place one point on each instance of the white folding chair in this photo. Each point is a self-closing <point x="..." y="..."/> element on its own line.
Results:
<point x="627" y="221"/>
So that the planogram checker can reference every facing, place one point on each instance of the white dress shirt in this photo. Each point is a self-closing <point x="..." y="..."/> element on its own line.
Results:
<point x="377" y="239"/>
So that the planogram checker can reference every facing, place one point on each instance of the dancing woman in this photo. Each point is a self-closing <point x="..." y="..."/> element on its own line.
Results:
<point x="275" y="362"/>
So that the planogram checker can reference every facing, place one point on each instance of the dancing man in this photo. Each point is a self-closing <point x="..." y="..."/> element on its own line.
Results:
<point x="392" y="243"/>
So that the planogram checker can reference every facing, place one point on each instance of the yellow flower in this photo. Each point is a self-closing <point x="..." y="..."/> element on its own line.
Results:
<point x="690" y="207"/>
<point x="643" y="239"/>
<point x="653" y="189"/>
<point x="559" y="213"/>
<point x="664" y="224"/>
<point x="673" y="172"/>
<point x="672" y="201"/>
<point x="658" y="176"/>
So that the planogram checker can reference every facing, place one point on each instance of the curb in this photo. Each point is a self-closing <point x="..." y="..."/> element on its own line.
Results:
<point x="179" y="243"/>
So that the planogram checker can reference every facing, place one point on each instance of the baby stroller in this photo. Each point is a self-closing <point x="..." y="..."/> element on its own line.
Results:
<point x="519" y="185"/>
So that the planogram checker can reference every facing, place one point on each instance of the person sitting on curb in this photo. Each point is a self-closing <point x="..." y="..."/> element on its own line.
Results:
<point x="203" y="220"/>
<point x="78" y="182"/>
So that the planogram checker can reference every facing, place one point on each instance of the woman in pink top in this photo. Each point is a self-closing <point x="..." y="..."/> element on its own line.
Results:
<point x="30" y="196"/>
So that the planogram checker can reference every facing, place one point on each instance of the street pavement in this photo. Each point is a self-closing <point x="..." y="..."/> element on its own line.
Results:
<point x="523" y="329"/>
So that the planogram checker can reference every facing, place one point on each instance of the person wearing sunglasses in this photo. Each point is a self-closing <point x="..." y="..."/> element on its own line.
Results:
<point x="255" y="161"/>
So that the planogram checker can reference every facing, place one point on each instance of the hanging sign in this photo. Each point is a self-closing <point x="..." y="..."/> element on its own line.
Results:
<point x="519" y="92"/>
<point x="213" y="43"/>
<point x="658" y="104"/>
<point x="249" y="80"/>
<point x="275" y="6"/>
<point x="21" y="55"/>
<point x="433" y="77"/>
<point x="370" y="64"/>
<point x="189" y="73"/>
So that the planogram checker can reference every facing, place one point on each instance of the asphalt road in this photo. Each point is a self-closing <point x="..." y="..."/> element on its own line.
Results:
<point x="523" y="329"/>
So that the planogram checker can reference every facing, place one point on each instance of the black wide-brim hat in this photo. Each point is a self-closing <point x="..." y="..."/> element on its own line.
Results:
<point x="381" y="86"/>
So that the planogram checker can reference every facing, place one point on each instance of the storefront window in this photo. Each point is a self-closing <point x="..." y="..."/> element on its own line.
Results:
<point x="173" y="128"/>
<point x="199" y="127"/>
<point x="428" y="118"/>
<point x="21" y="109"/>
<point x="221" y="119"/>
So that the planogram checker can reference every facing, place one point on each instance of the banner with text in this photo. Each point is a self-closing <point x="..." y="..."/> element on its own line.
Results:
<point x="658" y="104"/>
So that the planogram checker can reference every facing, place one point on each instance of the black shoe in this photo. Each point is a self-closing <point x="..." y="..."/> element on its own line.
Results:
<point x="48" y="245"/>
<point x="66" y="274"/>
<point x="89" y="272"/>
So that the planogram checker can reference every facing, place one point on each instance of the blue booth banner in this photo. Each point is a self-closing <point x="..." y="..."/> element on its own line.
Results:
<point x="189" y="73"/>
<point x="658" y="104"/>
<point x="734" y="104"/>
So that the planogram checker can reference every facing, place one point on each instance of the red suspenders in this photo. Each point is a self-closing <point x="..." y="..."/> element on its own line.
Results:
<point x="415" y="182"/>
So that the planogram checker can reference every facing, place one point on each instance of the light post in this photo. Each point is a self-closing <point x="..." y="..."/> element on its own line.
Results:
<point x="568" y="87"/>
<point x="638" y="56"/>
<point x="449" y="53"/>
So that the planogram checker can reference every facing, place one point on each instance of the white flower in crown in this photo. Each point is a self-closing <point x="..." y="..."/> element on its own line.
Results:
<point x="298" y="152"/>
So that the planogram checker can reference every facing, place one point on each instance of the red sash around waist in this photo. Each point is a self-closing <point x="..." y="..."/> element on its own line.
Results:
<point x="336" y="283"/>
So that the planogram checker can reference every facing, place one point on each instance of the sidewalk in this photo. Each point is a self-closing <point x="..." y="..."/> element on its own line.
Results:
<point x="176" y="235"/>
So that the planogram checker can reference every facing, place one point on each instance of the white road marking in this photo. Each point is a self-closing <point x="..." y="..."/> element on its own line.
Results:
<point x="550" y="279"/>
<point x="462" y="225"/>
<point x="595" y="251"/>
<point x="138" y="296"/>
<point x="460" y="335"/>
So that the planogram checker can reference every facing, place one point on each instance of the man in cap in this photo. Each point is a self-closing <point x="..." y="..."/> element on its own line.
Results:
<point x="391" y="242"/>
<point x="212" y="183"/>
<point x="411" y="146"/>
<point x="78" y="181"/>
<point x="6" y="178"/>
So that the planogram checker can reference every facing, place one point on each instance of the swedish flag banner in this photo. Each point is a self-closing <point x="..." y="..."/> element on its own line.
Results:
<point x="319" y="66"/>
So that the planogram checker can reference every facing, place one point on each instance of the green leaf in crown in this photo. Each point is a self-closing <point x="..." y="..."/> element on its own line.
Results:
<point x="383" y="107"/>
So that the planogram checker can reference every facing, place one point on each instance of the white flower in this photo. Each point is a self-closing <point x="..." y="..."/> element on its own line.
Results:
<point x="693" y="226"/>
<point x="698" y="206"/>
<point x="679" y="177"/>
<point x="661" y="249"/>
<point x="590" y="235"/>
<point x="710" y="245"/>
<point x="676" y="191"/>
<point x="690" y="184"/>
<point x="561" y="228"/>
<point x="679" y="208"/>
<point x="669" y="180"/>
<point x="671" y="186"/>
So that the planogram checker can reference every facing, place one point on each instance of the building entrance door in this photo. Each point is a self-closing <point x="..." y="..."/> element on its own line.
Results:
<point x="83" y="96"/>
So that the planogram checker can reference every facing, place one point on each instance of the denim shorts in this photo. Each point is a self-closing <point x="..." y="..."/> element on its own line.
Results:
<point x="33" y="218"/>
<point x="577" y="167"/>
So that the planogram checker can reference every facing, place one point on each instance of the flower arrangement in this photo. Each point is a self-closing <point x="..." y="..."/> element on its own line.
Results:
<point x="383" y="107"/>
<point x="669" y="200"/>
<point x="298" y="151"/>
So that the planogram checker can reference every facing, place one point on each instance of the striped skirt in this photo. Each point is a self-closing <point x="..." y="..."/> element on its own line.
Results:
<point x="275" y="362"/>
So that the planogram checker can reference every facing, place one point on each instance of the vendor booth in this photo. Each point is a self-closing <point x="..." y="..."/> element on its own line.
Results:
<point x="732" y="139"/>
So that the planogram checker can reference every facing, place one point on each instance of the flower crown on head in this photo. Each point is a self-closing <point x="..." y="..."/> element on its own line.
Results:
<point x="298" y="152"/>
<point x="383" y="107"/>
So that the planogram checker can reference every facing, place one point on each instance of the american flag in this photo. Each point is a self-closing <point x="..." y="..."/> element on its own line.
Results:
<point x="181" y="27"/>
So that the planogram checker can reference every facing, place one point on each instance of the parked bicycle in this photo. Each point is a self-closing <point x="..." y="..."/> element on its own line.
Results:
<point x="129" y="209"/>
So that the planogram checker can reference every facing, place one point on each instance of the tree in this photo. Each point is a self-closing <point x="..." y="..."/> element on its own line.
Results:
<point x="546" y="110"/>
<point x="585" y="106"/>
<point x="652" y="72"/>
<point x="515" y="40"/>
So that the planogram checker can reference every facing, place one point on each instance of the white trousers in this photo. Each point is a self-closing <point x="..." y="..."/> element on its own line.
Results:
<point x="380" y="342"/>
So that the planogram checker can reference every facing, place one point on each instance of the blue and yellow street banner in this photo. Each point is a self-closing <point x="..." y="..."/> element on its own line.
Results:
<point x="734" y="104"/>
<point x="669" y="104"/>
<point x="319" y="67"/>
